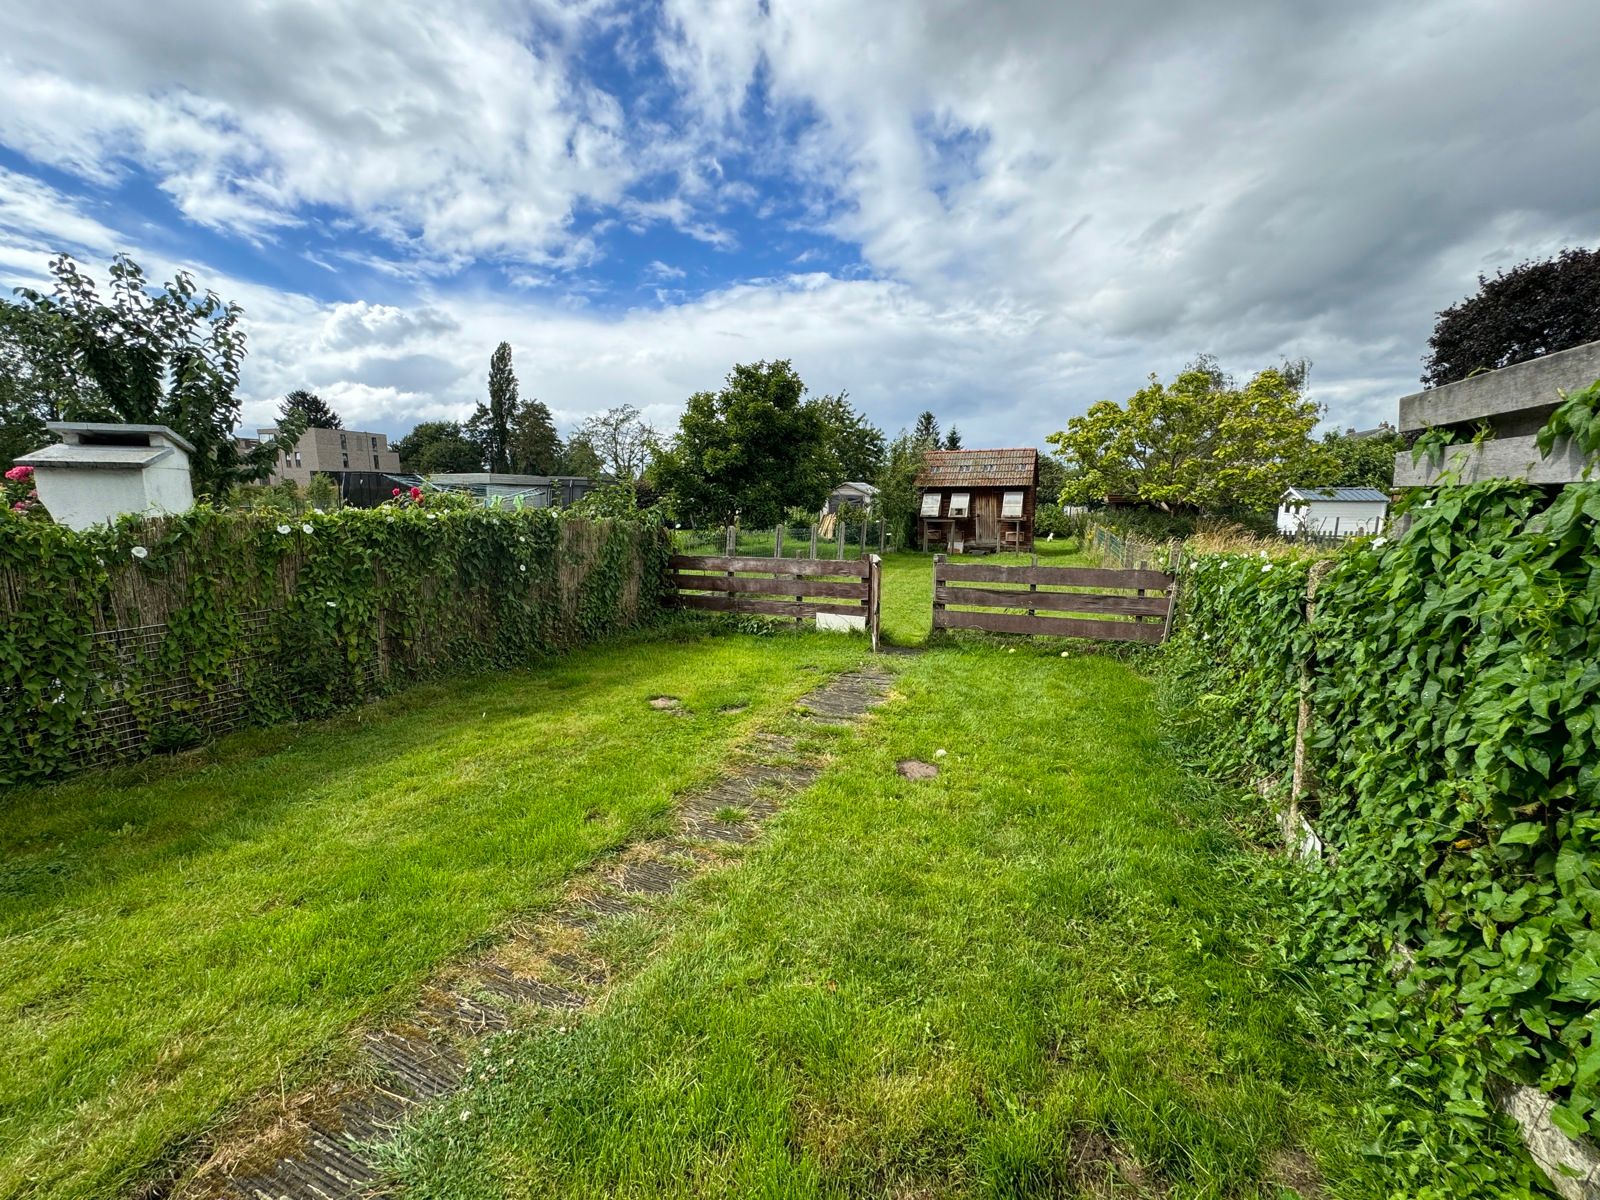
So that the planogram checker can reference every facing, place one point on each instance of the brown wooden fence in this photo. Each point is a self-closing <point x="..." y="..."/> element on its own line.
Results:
<point x="1112" y="605"/>
<point x="801" y="588"/>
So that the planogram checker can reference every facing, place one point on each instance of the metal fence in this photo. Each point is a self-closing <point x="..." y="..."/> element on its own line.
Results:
<point x="829" y="538"/>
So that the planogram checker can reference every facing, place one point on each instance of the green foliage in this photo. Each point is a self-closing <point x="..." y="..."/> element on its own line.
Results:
<point x="856" y="444"/>
<point x="1364" y="461"/>
<point x="438" y="446"/>
<point x="897" y="501"/>
<point x="322" y="493"/>
<point x="1455" y="682"/>
<point x="311" y="409"/>
<point x="1535" y="308"/>
<point x="622" y="441"/>
<point x="535" y="448"/>
<point x="490" y="426"/>
<point x="926" y="430"/>
<point x="1202" y="443"/>
<point x="355" y="603"/>
<point x="1052" y="478"/>
<point x="168" y="357"/>
<point x="749" y="451"/>
<point x="579" y="457"/>
<point x="1049" y="519"/>
<point x="952" y="440"/>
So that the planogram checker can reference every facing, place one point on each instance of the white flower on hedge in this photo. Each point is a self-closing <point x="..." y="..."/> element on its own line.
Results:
<point x="140" y="552"/>
<point x="333" y="604"/>
<point x="283" y="529"/>
<point x="523" y="568"/>
<point x="1265" y="567"/>
<point x="433" y="516"/>
<point x="1379" y="541"/>
<point x="306" y="528"/>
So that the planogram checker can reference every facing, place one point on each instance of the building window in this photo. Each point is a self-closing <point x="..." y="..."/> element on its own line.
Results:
<point x="374" y="443"/>
<point x="374" y="462"/>
<point x="297" y="458"/>
<point x="930" y="503"/>
<point x="346" y="458"/>
<point x="960" y="502"/>
<point x="1011" y="506"/>
<point x="343" y="443"/>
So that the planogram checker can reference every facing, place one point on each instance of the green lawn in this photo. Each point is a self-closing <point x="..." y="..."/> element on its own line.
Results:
<point x="1040" y="974"/>
<point x="181" y="935"/>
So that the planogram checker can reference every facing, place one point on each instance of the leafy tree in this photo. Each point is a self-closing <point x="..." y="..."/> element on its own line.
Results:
<point x="1201" y="443"/>
<point x="579" y="457"/>
<point x="952" y="440"/>
<point x="162" y="357"/>
<point x="1052" y="478"/>
<point x="622" y="438"/>
<point x="1361" y="460"/>
<point x="1536" y="308"/>
<point x="856" y="444"/>
<point x="323" y="493"/>
<point x="926" y="430"/>
<point x="897" y="500"/>
<point x="435" y="446"/>
<point x="33" y="383"/>
<point x="750" y="450"/>
<point x="535" y="447"/>
<point x="490" y="425"/>
<point x="312" y="408"/>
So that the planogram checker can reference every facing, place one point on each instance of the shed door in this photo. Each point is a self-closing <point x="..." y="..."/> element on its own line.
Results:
<point x="986" y="516"/>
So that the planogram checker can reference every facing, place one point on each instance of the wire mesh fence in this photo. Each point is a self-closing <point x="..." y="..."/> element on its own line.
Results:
<point x="829" y="538"/>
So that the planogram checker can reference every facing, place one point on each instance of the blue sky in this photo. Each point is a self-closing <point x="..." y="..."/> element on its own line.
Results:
<point x="1000" y="212"/>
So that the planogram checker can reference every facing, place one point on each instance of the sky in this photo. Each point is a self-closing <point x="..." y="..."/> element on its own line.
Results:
<point x="1002" y="212"/>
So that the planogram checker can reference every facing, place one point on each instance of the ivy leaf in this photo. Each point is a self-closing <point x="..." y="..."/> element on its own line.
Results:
<point x="1525" y="833"/>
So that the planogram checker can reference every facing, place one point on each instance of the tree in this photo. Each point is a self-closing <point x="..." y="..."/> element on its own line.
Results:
<point x="1203" y="443"/>
<point x="490" y="425"/>
<point x="622" y="438"/>
<point x="312" y="408"/>
<point x="750" y="450"/>
<point x="1536" y="308"/>
<point x="952" y="440"/>
<point x="926" y="430"/>
<point x="1361" y="459"/>
<point x="897" y="500"/>
<point x="435" y="446"/>
<point x="1052" y="478"/>
<point x="154" y="357"/>
<point x="579" y="457"/>
<point x="855" y="443"/>
<point x="535" y="447"/>
<point x="34" y="384"/>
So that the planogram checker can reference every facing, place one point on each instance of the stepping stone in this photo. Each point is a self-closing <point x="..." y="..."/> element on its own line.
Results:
<point x="666" y="703"/>
<point x="911" y="768"/>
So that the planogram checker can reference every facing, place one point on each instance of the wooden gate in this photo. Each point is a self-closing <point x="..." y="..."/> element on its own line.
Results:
<point x="802" y="588"/>
<point x="1109" y="605"/>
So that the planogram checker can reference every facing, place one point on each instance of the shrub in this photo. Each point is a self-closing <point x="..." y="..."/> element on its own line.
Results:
<point x="153" y="631"/>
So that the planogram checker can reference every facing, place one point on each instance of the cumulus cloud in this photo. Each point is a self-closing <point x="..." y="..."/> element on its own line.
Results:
<point x="1032" y="205"/>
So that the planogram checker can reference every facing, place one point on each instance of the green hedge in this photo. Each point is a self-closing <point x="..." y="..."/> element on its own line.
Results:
<point x="1455" y="682"/>
<point x="153" y="635"/>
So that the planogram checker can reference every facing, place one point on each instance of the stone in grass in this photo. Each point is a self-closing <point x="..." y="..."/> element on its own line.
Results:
<point x="665" y="702"/>
<point x="911" y="768"/>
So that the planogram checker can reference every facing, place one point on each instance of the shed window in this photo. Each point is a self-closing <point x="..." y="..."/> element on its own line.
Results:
<point x="930" y="503"/>
<point x="1011" y="506"/>
<point x="959" y="503"/>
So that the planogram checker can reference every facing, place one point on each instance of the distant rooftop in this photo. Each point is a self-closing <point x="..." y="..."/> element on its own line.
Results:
<point x="1342" y="495"/>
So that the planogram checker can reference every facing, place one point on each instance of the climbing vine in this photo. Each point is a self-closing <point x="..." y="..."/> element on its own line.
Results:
<point x="154" y="634"/>
<point x="1454" y="674"/>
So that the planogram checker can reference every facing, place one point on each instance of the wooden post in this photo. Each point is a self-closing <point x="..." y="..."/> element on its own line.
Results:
<point x="1033" y="584"/>
<point x="730" y="540"/>
<point x="938" y="606"/>
<point x="840" y="521"/>
<point x="881" y="525"/>
<point x="863" y="537"/>
<point x="813" y="539"/>
<point x="874" y="597"/>
<point x="1142" y="620"/>
<point x="1302" y="781"/>
<point x="777" y="542"/>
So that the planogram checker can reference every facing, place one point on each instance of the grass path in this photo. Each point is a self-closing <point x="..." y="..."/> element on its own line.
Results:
<point x="1038" y="974"/>
<point x="179" y="936"/>
<point x="907" y="617"/>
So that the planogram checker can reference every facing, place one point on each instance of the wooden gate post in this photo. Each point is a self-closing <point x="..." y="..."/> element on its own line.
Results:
<point x="938" y="561"/>
<point x="813" y="539"/>
<point x="840" y="553"/>
<point x="777" y="542"/>
<point x="874" y="597"/>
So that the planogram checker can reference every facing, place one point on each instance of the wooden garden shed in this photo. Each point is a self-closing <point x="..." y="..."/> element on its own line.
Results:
<point x="977" y="501"/>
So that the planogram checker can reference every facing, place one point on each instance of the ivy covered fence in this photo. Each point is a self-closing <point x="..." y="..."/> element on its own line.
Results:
<point x="1453" y="677"/>
<point x="153" y="635"/>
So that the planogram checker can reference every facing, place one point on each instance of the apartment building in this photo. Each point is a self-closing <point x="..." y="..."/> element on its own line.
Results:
<point x="330" y="451"/>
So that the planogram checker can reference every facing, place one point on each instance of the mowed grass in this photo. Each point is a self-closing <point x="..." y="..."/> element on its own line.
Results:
<point x="1040" y="974"/>
<point x="179" y="936"/>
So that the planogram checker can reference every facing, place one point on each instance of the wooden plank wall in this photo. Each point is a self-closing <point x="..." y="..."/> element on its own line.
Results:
<point x="778" y="587"/>
<point x="1123" y="605"/>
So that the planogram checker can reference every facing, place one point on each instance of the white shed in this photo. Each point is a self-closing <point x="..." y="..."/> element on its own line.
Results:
<point x="98" y="471"/>
<point x="1332" y="512"/>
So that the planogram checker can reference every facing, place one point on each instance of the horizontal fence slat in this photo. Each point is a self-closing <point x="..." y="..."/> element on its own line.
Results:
<point x="770" y="608"/>
<point x="1104" y="631"/>
<point x="847" y="590"/>
<point x="856" y="568"/>
<point x="1084" y="602"/>
<point x="1095" y="577"/>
